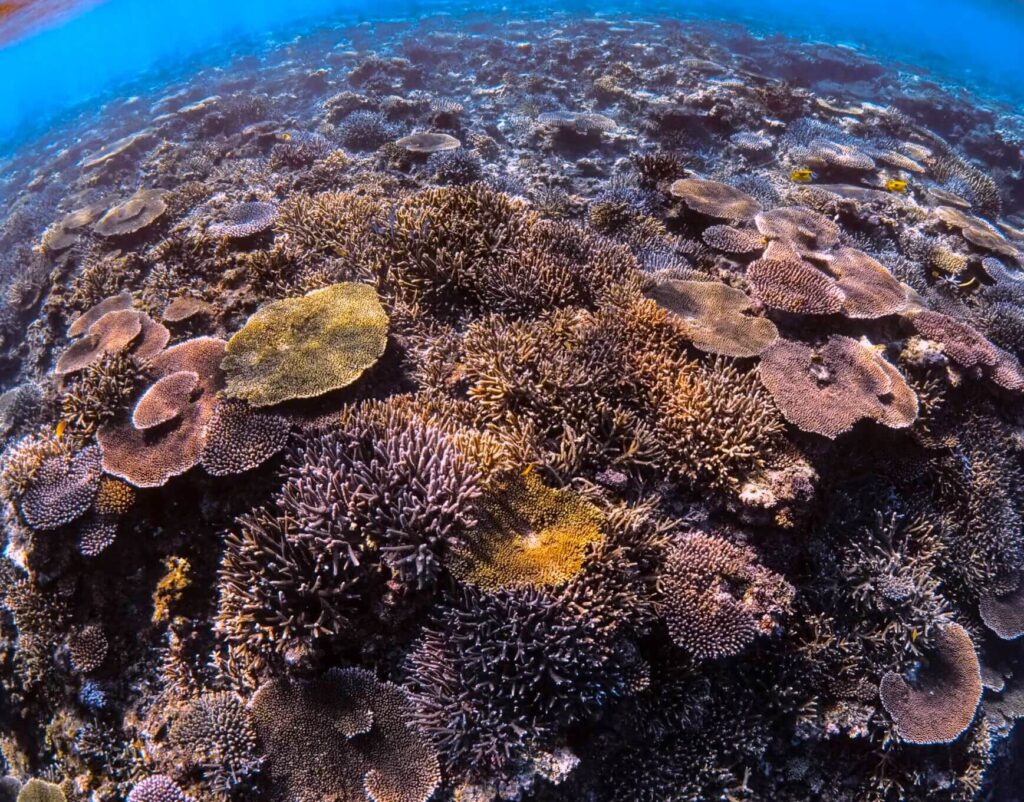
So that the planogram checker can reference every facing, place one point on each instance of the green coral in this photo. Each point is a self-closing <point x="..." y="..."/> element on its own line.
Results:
<point x="308" y="346"/>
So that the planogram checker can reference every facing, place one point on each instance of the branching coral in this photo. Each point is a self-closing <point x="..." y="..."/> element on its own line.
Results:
<point x="239" y="438"/>
<point x="61" y="490"/>
<point x="381" y="497"/>
<point x="499" y="674"/>
<point x="715" y="426"/>
<point x="215" y="734"/>
<point x="345" y="736"/>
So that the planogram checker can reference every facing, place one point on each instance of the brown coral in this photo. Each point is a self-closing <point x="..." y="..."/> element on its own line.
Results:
<point x="939" y="704"/>
<point x="827" y="389"/>
<point x="305" y="347"/>
<point x="529" y="535"/>
<point x="714" y="317"/>
<point x="114" y="303"/>
<point x="346" y="737"/>
<point x="165" y="399"/>
<point x="716" y="598"/>
<point x="793" y="285"/>
<point x="714" y="199"/>
<point x="150" y="458"/>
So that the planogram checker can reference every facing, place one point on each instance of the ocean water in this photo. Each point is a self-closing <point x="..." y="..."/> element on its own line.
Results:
<point x="541" y="402"/>
<point x="77" y="52"/>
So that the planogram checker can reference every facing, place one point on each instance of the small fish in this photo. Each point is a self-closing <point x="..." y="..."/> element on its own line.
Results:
<point x="802" y="176"/>
<point x="969" y="283"/>
<point x="286" y="136"/>
<point x="527" y="470"/>
<point x="59" y="431"/>
<point x="896" y="185"/>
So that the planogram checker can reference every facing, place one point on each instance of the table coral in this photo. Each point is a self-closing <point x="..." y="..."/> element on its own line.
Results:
<point x="305" y="347"/>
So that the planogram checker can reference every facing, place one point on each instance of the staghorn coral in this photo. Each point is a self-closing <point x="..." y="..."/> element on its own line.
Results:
<point x="99" y="392"/>
<point x="827" y="389"/>
<point x="715" y="426"/>
<point x="381" y="497"/>
<point x="500" y="673"/>
<point x="305" y="347"/>
<point x="345" y="736"/>
<point x="716" y="599"/>
<point x="940" y="703"/>
<point x="528" y="535"/>
<point x="964" y="177"/>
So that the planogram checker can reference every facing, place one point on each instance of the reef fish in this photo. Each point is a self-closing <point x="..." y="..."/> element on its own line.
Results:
<point x="802" y="176"/>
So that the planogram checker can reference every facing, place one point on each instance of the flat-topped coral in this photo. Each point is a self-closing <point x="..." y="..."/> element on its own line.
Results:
<point x="793" y="285"/>
<point x="305" y="347"/>
<point x="939" y="704"/>
<point x="715" y="317"/>
<point x="827" y="389"/>
<point x="345" y="736"/>
<point x="245" y="220"/>
<point x="165" y="399"/>
<point x="135" y="214"/>
<point x="715" y="199"/>
<point x="146" y="458"/>
<point x="527" y="535"/>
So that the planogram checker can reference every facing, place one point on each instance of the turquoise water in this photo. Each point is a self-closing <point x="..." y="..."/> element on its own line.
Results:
<point x="98" y="51"/>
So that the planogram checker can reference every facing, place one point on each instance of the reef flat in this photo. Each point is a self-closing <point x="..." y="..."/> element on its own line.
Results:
<point x="614" y="410"/>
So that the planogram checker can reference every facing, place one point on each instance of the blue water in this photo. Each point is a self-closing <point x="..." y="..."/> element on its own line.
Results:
<point x="120" y="45"/>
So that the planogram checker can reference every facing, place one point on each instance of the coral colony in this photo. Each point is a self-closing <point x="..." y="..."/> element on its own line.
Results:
<point x="613" y="411"/>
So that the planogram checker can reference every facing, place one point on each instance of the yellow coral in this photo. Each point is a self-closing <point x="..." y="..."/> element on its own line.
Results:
<point x="530" y="535"/>
<point x="172" y="585"/>
<point x="308" y="346"/>
<point x="114" y="497"/>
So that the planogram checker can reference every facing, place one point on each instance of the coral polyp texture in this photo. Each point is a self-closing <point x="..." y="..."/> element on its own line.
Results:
<point x="537" y="410"/>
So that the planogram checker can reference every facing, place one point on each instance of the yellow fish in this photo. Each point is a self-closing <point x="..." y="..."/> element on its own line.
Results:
<point x="802" y="176"/>
<point x="895" y="185"/>
<point x="61" y="426"/>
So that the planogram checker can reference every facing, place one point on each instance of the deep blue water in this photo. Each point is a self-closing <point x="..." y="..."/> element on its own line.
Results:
<point x="120" y="46"/>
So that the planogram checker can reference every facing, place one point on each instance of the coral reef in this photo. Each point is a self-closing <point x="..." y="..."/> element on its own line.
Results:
<point x="515" y="409"/>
